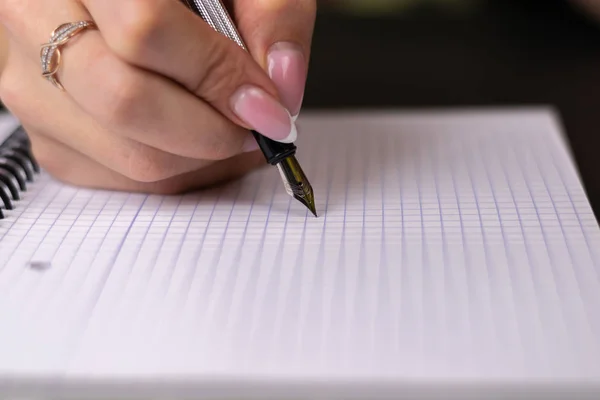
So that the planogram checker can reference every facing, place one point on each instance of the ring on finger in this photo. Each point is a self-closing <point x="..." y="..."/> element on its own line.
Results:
<point x="50" y="53"/>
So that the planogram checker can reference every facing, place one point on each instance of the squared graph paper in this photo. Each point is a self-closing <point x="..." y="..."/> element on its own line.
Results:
<point x="450" y="247"/>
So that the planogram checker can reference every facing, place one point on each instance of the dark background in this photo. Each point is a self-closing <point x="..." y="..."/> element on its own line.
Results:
<point x="493" y="53"/>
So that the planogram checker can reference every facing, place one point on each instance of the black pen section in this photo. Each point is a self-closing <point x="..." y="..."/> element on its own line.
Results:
<point x="295" y="181"/>
<point x="274" y="152"/>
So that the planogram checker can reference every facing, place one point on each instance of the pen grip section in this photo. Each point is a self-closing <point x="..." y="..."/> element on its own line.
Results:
<point x="274" y="151"/>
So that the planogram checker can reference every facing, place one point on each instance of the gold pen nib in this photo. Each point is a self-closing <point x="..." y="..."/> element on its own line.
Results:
<point x="296" y="184"/>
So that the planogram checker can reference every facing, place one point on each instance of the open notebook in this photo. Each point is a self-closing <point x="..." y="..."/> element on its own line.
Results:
<point x="451" y="248"/>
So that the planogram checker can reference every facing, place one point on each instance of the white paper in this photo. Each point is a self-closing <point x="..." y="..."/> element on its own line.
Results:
<point x="450" y="246"/>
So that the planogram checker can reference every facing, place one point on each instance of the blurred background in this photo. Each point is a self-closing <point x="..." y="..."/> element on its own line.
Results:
<point x="454" y="53"/>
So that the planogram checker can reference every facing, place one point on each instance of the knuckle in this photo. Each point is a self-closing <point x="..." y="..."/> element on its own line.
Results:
<point x="138" y="26"/>
<point x="224" y="71"/>
<point x="145" y="164"/>
<point x="123" y="92"/>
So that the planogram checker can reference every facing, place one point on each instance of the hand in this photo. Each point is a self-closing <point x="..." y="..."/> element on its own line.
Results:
<point x="155" y="100"/>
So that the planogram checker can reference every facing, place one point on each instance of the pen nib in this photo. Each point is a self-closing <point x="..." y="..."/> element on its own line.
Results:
<point x="296" y="184"/>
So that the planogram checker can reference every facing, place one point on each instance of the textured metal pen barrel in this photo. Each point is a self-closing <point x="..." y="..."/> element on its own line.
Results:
<point x="214" y="13"/>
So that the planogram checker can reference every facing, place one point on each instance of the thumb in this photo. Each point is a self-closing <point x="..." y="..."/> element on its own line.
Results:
<point x="278" y="34"/>
<point x="155" y="35"/>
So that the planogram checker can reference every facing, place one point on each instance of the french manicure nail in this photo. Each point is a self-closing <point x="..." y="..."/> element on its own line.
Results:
<point x="287" y="69"/>
<point x="264" y="114"/>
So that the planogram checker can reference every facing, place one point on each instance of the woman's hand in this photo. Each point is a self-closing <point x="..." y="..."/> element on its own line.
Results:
<point x="155" y="100"/>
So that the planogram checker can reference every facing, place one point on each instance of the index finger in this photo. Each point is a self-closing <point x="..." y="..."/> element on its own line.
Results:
<point x="278" y="34"/>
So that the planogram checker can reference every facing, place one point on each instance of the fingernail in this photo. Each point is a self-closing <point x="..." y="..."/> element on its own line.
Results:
<point x="250" y="144"/>
<point x="264" y="114"/>
<point x="287" y="69"/>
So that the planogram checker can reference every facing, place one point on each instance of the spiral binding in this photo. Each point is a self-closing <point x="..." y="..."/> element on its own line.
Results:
<point x="18" y="167"/>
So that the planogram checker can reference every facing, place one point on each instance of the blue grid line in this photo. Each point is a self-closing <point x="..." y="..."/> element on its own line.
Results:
<point x="358" y="312"/>
<point x="507" y="252"/>
<point x="489" y="264"/>
<point x="191" y="276"/>
<point x="68" y="268"/>
<point x="115" y="257"/>
<point x="466" y="255"/>
<point x="340" y="274"/>
<point x="292" y="299"/>
<point x="428" y="306"/>
<point x="208" y="283"/>
<point x="22" y="271"/>
<point x="182" y="240"/>
<point x="182" y="301"/>
<point x="15" y="280"/>
<point x="28" y="202"/>
<point x="151" y="265"/>
<point x="274" y="278"/>
<point x="383" y="324"/>
<point x="448" y="279"/>
<point x="12" y="282"/>
<point x="560" y="173"/>
<point x="315" y="298"/>
<point x="249" y="291"/>
<point x="532" y="265"/>
<point x="72" y="224"/>
<point x="404" y="292"/>
<point x="175" y="261"/>
<point x="58" y="247"/>
<point x="338" y="319"/>
<point x="102" y="283"/>
<point x="315" y="302"/>
<point x="66" y="271"/>
<point x="223" y="299"/>
<point x="29" y="229"/>
<point x="594" y="326"/>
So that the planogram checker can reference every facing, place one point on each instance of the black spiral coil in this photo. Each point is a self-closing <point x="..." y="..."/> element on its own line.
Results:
<point x="18" y="167"/>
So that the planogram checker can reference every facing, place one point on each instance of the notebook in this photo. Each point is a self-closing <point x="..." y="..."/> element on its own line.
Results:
<point x="455" y="256"/>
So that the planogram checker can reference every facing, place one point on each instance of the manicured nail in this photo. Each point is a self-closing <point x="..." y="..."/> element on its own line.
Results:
<point x="264" y="114"/>
<point x="287" y="69"/>
<point x="250" y="144"/>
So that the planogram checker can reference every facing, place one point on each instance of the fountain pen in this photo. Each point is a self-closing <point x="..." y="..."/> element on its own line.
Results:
<point x="281" y="155"/>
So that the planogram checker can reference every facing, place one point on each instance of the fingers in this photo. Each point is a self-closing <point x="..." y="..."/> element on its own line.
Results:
<point x="278" y="33"/>
<point x="74" y="168"/>
<point x="146" y="107"/>
<point x="139" y="105"/>
<point x="165" y="37"/>
<point x="30" y="22"/>
<point x="46" y="111"/>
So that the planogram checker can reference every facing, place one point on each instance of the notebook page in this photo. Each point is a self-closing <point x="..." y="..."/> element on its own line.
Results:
<point x="449" y="246"/>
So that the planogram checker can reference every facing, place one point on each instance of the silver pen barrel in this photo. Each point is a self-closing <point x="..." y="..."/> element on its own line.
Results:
<point x="216" y="15"/>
